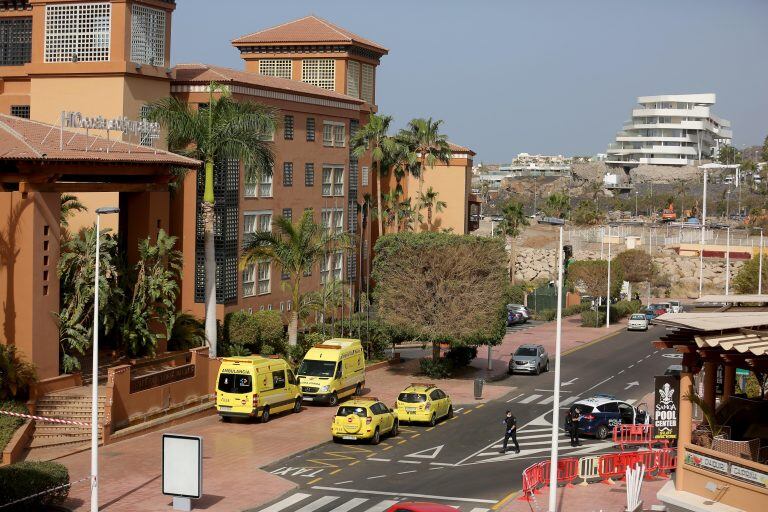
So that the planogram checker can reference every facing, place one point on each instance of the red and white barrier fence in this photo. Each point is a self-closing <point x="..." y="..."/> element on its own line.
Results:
<point x="43" y="418"/>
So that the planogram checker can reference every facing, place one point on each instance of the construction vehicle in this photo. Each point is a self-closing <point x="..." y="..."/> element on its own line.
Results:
<point x="668" y="214"/>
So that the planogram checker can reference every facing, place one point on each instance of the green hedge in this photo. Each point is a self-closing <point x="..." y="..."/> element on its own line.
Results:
<point x="621" y="309"/>
<point x="592" y="318"/>
<point x="9" y="424"/>
<point x="547" y="315"/>
<point x="27" y="478"/>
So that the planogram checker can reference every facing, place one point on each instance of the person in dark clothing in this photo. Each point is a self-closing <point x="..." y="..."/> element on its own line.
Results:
<point x="575" y="418"/>
<point x="510" y="432"/>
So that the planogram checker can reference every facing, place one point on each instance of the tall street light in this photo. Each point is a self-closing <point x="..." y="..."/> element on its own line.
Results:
<point x="608" y="295"/>
<point x="703" y="231"/>
<point x="556" y="403"/>
<point x="727" y="260"/>
<point x="636" y="193"/>
<point x="95" y="384"/>
<point x="760" y="266"/>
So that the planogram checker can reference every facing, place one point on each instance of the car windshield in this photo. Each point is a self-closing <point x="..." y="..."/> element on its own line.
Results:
<point x="349" y="410"/>
<point x="235" y="383"/>
<point x="655" y="306"/>
<point x="412" y="398"/>
<point x="314" y="368"/>
<point x="638" y="317"/>
<point x="525" y="351"/>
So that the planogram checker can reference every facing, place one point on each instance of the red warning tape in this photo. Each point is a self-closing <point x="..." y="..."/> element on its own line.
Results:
<point x="43" y="418"/>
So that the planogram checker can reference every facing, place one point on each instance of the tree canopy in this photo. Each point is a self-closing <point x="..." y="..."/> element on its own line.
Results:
<point x="747" y="279"/>
<point x="442" y="287"/>
<point x="591" y="276"/>
<point x="636" y="265"/>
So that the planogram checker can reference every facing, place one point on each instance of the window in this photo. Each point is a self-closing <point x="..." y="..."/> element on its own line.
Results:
<point x="280" y="68"/>
<point x="435" y="395"/>
<point x="310" y="129"/>
<point x="353" y="78"/>
<point x="609" y="407"/>
<point x="265" y="186"/>
<point x="333" y="181"/>
<point x="330" y="266"/>
<point x="147" y="35"/>
<point x="288" y="174"/>
<point x="288" y="213"/>
<point x="288" y="127"/>
<point x="250" y="186"/>
<point x="366" y="86"/>
<point x="319" y="72"/>
<point x="257" y="221"/>
<point x="334" y="134"/>
<point x="332" y="219"/>
<point x="77" y="32"/>
<point x="309" y="174"/>
<point x="264" y="277"/>
<point x="20" y="111"/>
<point x="366" y="174"/>
<point x="278" y="379"/>
<point x="15" y="41"/>
<point x="249" y="278"/>
<point x="146" y="138"/>
<point x="235" y="383"/>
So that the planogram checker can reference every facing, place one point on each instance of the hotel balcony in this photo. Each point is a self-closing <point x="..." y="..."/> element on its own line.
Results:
<point x="702" y="112"/>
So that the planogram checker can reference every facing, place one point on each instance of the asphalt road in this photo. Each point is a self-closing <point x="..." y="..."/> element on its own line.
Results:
<point x="458" y="462"/>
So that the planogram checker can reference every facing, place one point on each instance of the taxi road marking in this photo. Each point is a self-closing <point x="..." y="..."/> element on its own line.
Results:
<point x="402" y="441"/>
<point x="387" y="448"/>
<point x="334" y="471"/>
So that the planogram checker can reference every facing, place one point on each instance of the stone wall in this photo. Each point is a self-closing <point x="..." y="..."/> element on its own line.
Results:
<point x="538" y="265"/>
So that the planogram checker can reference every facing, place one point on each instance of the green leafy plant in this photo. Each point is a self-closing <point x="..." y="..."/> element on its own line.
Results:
<point x="9" y="424"/>
<point x="30" y="478"/>
<point x="710" y="415"/>
<point x="592" y="318"/>
<point x="186" y="332"/>
<point x="435" y="368"/>
<point x="16" y="374"/>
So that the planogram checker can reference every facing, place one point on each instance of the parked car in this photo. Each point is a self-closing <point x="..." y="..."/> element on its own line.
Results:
<point x="675" y="306"/>
<point x="424" y="403"/>
<point x="600" y="414"/>
<point x="529" y="358"/>
<point x="364" y="419"/>
<point x="520" y="309"/>
<point x="654" y="310"/>
<point x="637" y="322"/>
<point x="514" y="318"/>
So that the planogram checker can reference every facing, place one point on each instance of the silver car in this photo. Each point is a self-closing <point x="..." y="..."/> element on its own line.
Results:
<point x="519" y="308"/>
<point x="637" y="322"/>
<point x="529" y="359"/>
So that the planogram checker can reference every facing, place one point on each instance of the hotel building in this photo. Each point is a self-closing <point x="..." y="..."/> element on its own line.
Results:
<point x="673" y="130"/>
<point x="112" y="59"/>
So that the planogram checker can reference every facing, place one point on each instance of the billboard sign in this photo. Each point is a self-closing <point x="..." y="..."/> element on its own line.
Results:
<point x="182" y="466"/>
<point x="667" y="407"/>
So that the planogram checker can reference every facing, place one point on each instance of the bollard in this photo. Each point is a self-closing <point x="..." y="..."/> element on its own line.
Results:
<point x="479" y="388"/>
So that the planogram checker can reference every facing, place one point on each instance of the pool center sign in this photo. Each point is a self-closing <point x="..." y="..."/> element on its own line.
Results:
<point x="665" y="416"/>
<point x="142" y="129"/>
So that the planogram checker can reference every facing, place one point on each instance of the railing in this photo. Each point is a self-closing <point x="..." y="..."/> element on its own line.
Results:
<point x="162" y="377"/>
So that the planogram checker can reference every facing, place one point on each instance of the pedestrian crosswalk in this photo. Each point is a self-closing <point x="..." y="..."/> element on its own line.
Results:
<point x="520" y="327"/>
<point x="540" y="399"/>
<point x="319" y="502"/>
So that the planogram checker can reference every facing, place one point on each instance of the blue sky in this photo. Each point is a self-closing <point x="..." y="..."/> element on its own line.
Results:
<point x="507" y="76"/>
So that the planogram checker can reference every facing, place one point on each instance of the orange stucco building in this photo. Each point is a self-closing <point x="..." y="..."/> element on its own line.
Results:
<point x="111" y="58"/>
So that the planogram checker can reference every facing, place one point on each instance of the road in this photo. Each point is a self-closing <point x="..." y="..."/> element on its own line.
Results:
<point x="458" y="462"/>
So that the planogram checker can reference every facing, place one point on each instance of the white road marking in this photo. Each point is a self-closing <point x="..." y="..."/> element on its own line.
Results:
<point x="459" y="409"/>
<point x="429" y="453"/>
<point x="656" y="352"/>
<point x="287" y="502"/>
<point x="479" y="510"/>
<point x="547" y="400"/>
<point x="630" y="366"/>
<point x="529" y="399"/>
<point x="621" y="371"/>
<point x="552" y="390"/>
<point x="518" y="396"/>
<point x="344" y="482"/>
<point x="599" y="383"/>
<point x="382" y="506"/>
<point x="440" y="464"/>
<point x="533" y="436"/>
<point x="378" y="460"/>
<point x="639" y="361"/>
<point x="409" y="461"/>
<point x="400" y="473"/>
<point x="317" y="504"/>
<point x="404" y="495"/>
<point x="349" y="505"/>
<point x="535" y="429"/>
<point x="649" y="355"/>
<point x="375" y="477"/>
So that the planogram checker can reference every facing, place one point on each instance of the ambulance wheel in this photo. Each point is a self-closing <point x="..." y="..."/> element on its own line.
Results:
<point x="358" y="389"/>
<point x="333" y="400"/>
<point x="297" y="405"/>
<point x="264" y="415"/>
<point x="376" y="436"/>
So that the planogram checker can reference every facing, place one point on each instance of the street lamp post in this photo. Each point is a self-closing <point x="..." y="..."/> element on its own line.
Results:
<point x="727" y="260"/>
<point x="608" y="298"/>
<point x="556" y="403"/>
<point x="636" y="193"/>
<point x="760" y="266"/>
<point x="703" y="232"/>
<point x="95" y="383"/>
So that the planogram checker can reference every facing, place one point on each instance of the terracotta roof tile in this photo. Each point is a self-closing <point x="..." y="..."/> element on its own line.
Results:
<point x="206" y="73"/>
<point x="23" y="139"/>
<point x="309" y="29"/>
<point x="455" y="148"/>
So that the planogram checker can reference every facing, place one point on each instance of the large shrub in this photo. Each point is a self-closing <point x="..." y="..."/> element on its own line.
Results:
<point x="16" y="375"/>
<point x="592" y="318"/>
<point x="461" y="356"/>
<point x="746" y="280"/>
<point x="259" y="332"/>
<point x="435" y="368"/>
<point x="187" y="332"/>
<point x="27" y="478"/>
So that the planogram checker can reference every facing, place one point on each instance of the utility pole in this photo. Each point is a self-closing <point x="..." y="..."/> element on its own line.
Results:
<point x="556" y="403"/>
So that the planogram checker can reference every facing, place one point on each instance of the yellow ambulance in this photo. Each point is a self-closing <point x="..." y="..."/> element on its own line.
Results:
<point x="256" y="386"/>
<point x="332" y="370"/>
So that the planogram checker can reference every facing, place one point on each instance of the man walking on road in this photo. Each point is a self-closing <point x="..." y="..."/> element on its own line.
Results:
<point x="510" y="432"/>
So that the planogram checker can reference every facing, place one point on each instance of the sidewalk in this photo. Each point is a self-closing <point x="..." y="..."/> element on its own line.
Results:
<point x="573" y="337"/>
<point x="595" y="497"/>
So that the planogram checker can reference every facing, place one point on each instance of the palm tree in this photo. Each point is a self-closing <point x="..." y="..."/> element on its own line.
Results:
<point x="429" y="201"/>
<point x="513" y="221"/>
<point x="224" y="130"/>
<point x="406" y="214"/>
<point x="70" y="204"/>
<point x="681" y="191"/>
<point x="428" y="143"/>
<point x="371" y="137"/>
<point x="391" y="201"/>
<point x="296" y="248"/>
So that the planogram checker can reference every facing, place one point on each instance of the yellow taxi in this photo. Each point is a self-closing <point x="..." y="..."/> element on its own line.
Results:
<point x="425" y="403"/>
<point x="364" y="419"/>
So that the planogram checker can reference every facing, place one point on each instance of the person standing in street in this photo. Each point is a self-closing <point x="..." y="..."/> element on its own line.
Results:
<point x="510" y="432"/>
<point x="575" y="418"/>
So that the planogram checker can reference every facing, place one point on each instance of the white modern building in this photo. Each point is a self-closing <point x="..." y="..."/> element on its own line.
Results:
<point x="674" y="129"/>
